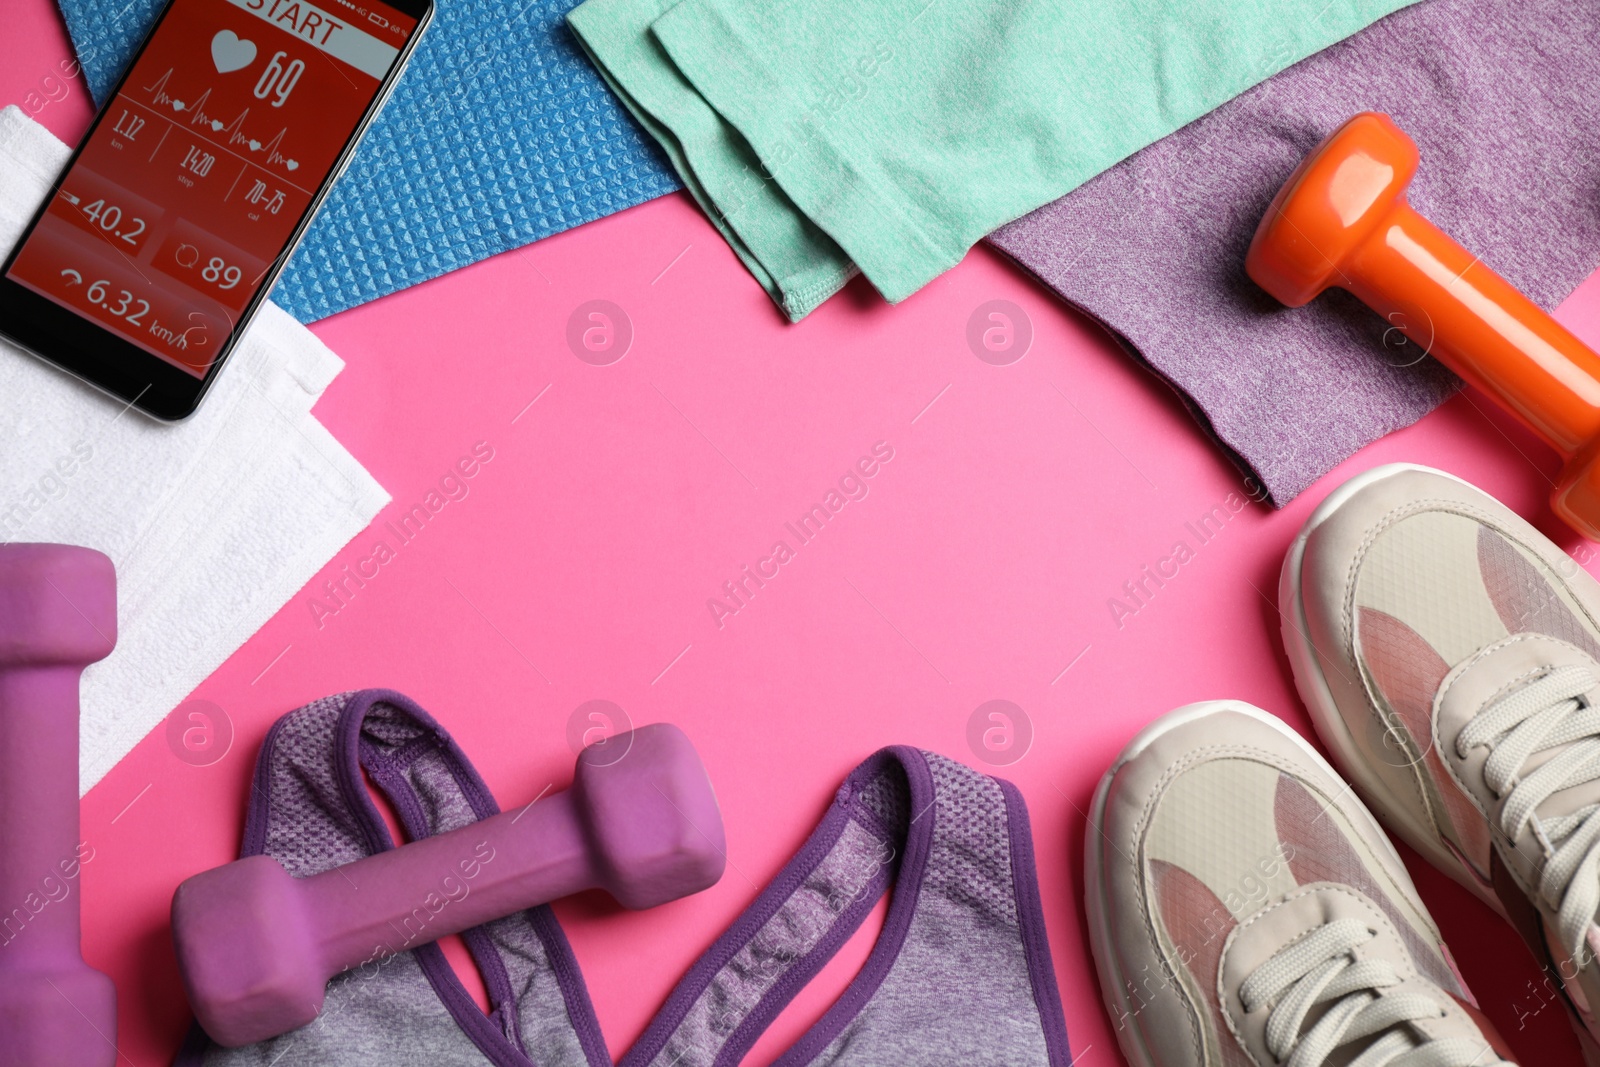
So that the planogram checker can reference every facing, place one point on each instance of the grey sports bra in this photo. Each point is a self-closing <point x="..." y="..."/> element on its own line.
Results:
<point x="960" y="973"/>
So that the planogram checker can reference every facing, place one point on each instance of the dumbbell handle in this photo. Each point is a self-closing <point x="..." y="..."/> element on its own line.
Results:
<point x="58" y="614"/>
<point x="256" y="947"/>
<point x="38" y="811"/>
<point x="439" y="885"/>
<point x="1479" y="325"/>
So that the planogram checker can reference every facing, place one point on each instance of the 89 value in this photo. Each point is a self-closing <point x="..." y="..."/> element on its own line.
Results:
<point x="221" y="274"/>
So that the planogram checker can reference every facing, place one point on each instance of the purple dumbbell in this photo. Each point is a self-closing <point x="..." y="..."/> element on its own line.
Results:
<point x="58" y="614"/>
<point x="257" y="946"/>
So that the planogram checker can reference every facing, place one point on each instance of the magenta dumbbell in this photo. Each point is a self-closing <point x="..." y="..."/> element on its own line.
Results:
<point x="256" y="946"/>
<point x="58" y="614"/>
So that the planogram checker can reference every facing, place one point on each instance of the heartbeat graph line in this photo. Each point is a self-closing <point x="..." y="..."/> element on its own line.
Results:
<point x="159" y="95"/>
<point x="231" y="132"/>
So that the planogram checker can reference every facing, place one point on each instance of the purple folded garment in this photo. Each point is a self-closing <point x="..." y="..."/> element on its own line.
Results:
<point x="1502" y="97"/>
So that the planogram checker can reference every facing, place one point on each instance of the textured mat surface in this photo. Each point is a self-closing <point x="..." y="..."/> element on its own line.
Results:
<point x="499" y="133"/>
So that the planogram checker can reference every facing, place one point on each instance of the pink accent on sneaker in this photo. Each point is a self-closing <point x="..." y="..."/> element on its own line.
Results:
<point x="1409" y="672"/>
<point x="1455" y="969"/>
<point x="1318" y="852"/>
<point x="1522" y="597"/>
<point x="1198" y="925"/>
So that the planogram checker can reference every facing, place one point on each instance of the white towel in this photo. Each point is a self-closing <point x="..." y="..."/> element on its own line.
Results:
<point x="213" y="523"/>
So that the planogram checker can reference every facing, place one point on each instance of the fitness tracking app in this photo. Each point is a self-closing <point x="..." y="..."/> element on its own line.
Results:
<point x="200" y="170"/>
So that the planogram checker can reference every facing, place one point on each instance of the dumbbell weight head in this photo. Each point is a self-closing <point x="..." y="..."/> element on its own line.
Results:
<point x="246" y="950"/>
<point x="1329" y="207"/>
<point x="651" y="815"/>
<point x="58" y="607"/>
<point x="1342" y="219"/>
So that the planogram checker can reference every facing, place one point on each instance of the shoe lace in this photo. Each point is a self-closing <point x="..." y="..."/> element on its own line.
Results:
<point x="1549" y="712"/>
<point x="1320" y="968"/>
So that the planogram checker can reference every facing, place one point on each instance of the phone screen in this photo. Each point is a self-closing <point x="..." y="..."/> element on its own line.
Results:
<point x="199" y="171"/>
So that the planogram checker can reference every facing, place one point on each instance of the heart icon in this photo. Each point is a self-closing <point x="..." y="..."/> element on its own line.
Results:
<point x="177" y="105"/>
<point x="255" y="146"/>
<point x="291" y="164"/>
<point x="229" y="53"/>
<point x="216" y="124"/>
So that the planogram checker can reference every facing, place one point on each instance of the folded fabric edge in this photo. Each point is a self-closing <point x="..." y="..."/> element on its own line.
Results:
<point x="594" y="42"/>
<point x="35" y="148"/>
<point x="602" y="34"/>
<point x="898" y="251"/>
<point x="897" y="245"/>
<point x="1277" y="494"/>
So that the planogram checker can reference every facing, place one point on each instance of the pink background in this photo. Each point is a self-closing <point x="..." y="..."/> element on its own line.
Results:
<point x="978" y="567"/>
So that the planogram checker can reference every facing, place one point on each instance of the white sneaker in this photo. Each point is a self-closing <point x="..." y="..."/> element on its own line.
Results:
<point x="1245" y="910"/>
<point x="1450" y="656"/>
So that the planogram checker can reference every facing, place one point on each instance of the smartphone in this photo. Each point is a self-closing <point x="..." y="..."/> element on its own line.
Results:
<point x="166" y="230"/>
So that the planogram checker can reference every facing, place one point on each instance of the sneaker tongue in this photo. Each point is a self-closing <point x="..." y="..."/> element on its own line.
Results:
<point x="1297" y="914"/>
<point x="1305" y="909"/>
<point x="1490" y="674"/>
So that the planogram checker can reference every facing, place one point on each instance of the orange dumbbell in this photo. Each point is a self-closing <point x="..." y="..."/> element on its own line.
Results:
<point x="1342" y="220"/>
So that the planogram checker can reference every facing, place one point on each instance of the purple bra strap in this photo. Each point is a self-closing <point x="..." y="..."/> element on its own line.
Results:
<point x="906" y="873"/>
<point x="1030" y="917"/>
<point x="483" y="1031"/>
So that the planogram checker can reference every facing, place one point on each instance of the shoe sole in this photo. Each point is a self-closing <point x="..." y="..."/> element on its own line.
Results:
<point x="1109" y="970"/>
<point x="1335" y="732"/>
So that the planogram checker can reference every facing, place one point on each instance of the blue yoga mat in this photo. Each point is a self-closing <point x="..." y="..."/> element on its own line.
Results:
<point x="499" y="133"/>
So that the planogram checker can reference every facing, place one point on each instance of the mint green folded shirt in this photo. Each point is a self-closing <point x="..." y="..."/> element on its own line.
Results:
<point x="891" y="135"/>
